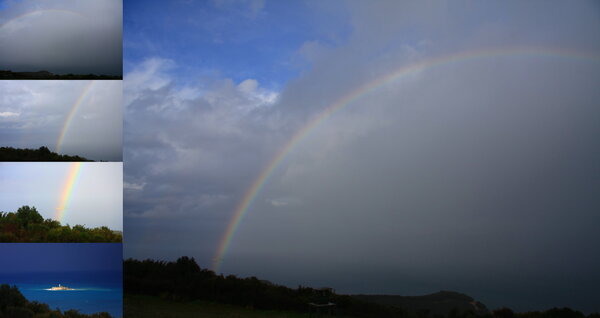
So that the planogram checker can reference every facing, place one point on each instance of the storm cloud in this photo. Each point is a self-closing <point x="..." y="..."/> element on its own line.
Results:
<point x="478" y="175"/>
<point x="61" y="36"/>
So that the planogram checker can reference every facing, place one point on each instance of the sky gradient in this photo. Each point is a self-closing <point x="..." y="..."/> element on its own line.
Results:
<point x="93" y="199"/>
<point x="61" y="36"/>
<point x="83" y="118"/>
<point x="358" y="154"/>
<point x="60" y="257"/>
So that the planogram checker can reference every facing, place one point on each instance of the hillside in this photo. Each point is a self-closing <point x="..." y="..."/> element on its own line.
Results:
<point x="440" y="303"/>
<point x="40" y="154"/>
<point x="142" y="306"/>
<point x="184" y="281"/>
<point x="183" y="289"/>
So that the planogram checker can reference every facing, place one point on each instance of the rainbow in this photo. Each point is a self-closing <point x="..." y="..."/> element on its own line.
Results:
<point x="71" y="114"/>
<point x="67" y="190"/>
<point x="30" y="13"/>
<point x="423" y="65"/>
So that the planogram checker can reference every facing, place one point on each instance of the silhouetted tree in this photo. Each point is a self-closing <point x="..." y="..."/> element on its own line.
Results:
<point x="40" y="154"/>
<point x="503" y="313"/>
<point x="27" y="216"/>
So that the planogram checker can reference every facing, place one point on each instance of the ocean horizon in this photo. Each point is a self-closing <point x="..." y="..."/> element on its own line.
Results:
<point x="93" y="291"/>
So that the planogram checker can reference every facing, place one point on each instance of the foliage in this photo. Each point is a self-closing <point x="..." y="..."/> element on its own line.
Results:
<point x="14" y="305"/>
<point x="40" y="154"/>
<point x="443" y="303"/>
<point x="184" y="281"/>
<point x="28" y="226"/>
<point x="186" y="288"/>
<point x="7" y="74"/>
<point x="143" y="306"/>
<point x="555" y="313"/>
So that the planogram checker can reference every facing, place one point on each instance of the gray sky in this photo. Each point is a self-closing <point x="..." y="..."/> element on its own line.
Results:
<point x="61" y="36"/>
<point x="36" y="113"/>
<point x="479" y="176"/>
<point x="95" y="199"/>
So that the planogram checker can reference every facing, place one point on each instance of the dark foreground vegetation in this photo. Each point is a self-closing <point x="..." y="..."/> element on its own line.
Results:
<point x="144" y="306"/>
<point x="443" y="303"/>
<point x="28" y="226"/>
<point x="45" y="75"/>
<point x="182" y="288"/>
<point x="14" y="305"/>
<point x="40" y="154"/>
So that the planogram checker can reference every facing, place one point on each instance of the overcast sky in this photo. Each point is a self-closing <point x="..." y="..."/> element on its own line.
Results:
<point x="479" y="176"/>
<point x="35" y="114"/>
<point x="61" y="36"/>
<point x="96" y="197"/>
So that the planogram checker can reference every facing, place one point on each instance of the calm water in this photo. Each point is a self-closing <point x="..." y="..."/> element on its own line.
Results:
<point x="94" y="291"/>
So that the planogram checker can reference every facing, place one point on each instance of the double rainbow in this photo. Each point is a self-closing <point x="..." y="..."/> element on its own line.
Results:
<point x="427" y="64"/>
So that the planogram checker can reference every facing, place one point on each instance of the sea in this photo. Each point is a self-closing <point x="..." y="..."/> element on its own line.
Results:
<point x="93" y="292"/>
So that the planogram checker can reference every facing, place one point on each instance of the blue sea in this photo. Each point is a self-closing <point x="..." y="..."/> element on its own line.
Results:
<point x="93" y="291"/>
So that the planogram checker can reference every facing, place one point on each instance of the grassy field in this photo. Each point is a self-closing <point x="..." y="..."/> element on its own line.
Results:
<point x="141" y="306"/>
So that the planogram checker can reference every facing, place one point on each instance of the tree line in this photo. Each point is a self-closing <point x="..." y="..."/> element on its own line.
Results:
<point x="40" y="154"/>
<point x="14" y="305"/>
<point x="183" y="280"/>
<point x="8" y="74"/>
<point x="28" y="226"/>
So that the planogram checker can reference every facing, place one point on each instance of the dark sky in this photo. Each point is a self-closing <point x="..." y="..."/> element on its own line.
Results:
<point x="60" y="257"/>
<point x="479" y="176"/>
<point x="61" y="36"/>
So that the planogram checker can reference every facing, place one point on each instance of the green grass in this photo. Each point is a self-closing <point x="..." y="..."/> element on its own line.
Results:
<point x="143" y="306"/>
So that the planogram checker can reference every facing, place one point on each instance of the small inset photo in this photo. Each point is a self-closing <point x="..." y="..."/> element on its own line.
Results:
<point x="61" y="280"/>
<point x="61" y="202"/>
<point x="61" y="121"/>
<point x="61" y="39"/>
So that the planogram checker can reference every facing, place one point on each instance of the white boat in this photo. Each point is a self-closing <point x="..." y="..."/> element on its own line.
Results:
<point x="60" y="287"/>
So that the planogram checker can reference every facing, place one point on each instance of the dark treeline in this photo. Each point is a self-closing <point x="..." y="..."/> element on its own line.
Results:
<point x="551" y="313"/>
<point x="40" y="154"/>
<point x="28" y="226"/>
<point x="14" y="305"/>
<point x="184" y="280"/>
<point x="7" y="74"/>
<point x="441" y="303"/>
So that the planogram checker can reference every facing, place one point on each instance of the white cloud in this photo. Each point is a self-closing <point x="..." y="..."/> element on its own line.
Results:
<point x="134" y="186"/>
<point x="249" y="8"/>
<point x="9" y="114"/>
<point x="149" y="75"/>
<point x="248" y="86"/>
<point x="283" y="202"/>
<point x="200" y="130"/>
